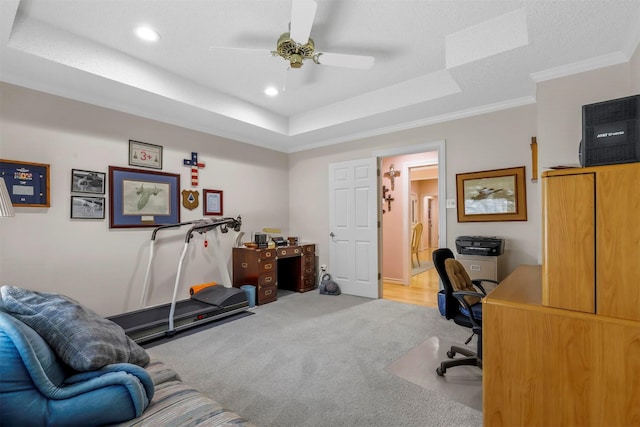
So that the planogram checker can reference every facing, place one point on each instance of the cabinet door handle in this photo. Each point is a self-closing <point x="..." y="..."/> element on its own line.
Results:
<point x="244" y="265"/>
<point x="266" y="293"/>
<point x="268" y="266"/>
<point x="268" y="279"/>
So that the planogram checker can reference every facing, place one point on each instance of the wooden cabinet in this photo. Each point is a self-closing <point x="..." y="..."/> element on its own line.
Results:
<point x="560" y="341"/>
<point x="544" y="366"/>
<point x="287" y="267"/>
<point x="591" y="240"/>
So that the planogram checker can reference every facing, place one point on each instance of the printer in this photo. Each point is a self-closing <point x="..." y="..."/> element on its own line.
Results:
<point x="479" y="245"/>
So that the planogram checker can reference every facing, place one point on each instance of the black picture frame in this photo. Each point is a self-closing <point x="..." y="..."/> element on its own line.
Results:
<point x="132" y="205"/>
<point x="83" y="181"/>
<point x="87" y="207"/>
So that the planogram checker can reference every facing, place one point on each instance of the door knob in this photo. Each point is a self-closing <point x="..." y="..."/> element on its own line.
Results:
<point x="331" y="234"/>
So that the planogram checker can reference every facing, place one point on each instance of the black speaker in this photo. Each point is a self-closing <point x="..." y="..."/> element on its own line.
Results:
<point x="611" y="132"/>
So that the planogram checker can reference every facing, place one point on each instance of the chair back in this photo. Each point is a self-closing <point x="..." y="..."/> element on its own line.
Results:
<point x="460" y="279"/>
<point x="439" y="257"/>
<point x="415" y="237"/>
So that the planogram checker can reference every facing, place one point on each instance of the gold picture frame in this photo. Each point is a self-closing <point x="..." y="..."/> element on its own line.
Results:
<point x="493" y="195"/>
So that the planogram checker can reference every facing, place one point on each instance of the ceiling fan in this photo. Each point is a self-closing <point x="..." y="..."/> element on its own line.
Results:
<point x="296" y="46"/>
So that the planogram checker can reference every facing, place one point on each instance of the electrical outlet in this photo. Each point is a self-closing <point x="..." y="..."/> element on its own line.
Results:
<point x="451" y="203"/>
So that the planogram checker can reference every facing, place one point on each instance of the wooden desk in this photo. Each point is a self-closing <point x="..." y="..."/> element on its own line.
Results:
<point x="544" y="366"/>
<point x="285" y="267"/>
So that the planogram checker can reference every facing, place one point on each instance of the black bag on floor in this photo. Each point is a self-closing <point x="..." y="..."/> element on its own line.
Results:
<point x="328" y="286"/>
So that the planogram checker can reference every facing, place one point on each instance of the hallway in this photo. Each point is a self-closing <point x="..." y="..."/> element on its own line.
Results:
<point x="422" y="289"/>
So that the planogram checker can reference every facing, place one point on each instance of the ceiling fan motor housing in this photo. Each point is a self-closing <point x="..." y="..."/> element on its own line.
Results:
<point x="294" y="52"/>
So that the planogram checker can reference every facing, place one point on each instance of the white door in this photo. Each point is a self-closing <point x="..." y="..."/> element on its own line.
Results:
<point x="353" y="226"/>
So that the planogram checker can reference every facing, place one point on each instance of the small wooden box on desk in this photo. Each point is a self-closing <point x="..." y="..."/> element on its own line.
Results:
<point x="286" y="267"/>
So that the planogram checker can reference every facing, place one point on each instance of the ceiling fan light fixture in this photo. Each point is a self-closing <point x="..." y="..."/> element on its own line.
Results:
<point x="295" y="60"/>
<point x="292" y="51"/>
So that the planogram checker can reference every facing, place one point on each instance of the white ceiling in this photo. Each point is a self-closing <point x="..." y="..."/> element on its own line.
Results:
<point x="434" y="60"/>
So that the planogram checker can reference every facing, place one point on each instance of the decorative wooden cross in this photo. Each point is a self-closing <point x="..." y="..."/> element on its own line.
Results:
<point x="392" y="175"/>
<point x="194" y="168"/>
<point x="389" y="199"/>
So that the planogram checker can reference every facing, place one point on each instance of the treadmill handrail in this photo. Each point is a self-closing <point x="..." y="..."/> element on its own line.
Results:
<point x="204" y="227"/>
<point x="200" y="224"/>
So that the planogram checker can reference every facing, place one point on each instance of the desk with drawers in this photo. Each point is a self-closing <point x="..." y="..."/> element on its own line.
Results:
<point x="286" y="267"/>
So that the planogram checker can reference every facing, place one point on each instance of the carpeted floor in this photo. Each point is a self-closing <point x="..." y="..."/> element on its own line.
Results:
<point x="318" y="360"/>
<point x="424" y="266"/>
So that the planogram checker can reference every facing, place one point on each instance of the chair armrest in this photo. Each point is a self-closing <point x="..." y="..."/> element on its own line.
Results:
<point x="459" y="295"/>
<point x="478" y="284"/>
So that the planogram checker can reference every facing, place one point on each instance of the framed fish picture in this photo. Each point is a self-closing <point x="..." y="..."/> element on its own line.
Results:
<point x="142" y="198"/>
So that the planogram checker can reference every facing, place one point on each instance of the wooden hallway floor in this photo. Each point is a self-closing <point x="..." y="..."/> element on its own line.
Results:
<point x="422" y="289"/>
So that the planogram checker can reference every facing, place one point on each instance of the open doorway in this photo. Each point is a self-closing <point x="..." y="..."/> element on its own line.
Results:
<point x="412" y="199"/>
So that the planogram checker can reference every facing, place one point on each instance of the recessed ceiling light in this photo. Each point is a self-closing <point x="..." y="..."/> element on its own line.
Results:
<point x="271" y="91"/>
<point x="146" y="33"/>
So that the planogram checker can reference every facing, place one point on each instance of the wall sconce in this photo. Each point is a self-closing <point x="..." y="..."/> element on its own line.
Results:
<point x="6" y="207"/>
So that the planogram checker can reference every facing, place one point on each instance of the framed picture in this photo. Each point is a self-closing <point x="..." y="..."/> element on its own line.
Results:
<point x="139" y="198"/>
<point x="145" y="155"/>
<point x="494" y="195"/>
<point x="212" y="202"/>
<point x="28" y="183"/>
<point x="85" y="207"/>
<point x="87" y="181"/>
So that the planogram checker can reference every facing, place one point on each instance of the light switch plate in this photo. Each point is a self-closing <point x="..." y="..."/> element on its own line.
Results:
<point x="451" y="203"/>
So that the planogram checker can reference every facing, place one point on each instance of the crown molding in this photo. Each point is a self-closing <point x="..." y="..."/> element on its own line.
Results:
<point x="580" y="67"/>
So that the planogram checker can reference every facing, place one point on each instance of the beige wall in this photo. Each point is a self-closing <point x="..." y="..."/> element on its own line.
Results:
<point x="44" y="250"/>
<point x="491" y="141"/>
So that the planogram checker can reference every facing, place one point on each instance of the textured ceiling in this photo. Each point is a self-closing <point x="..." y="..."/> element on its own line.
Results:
<point x="434" y="60"/>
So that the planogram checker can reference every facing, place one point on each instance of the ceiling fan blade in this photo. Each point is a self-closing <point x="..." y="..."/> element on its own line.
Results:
<point x="302" y="14"/>
<point x="346" y="61"/>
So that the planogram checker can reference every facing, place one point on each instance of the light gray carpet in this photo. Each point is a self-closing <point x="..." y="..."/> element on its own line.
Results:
<point x="319" y="360"/>
<point x="424" y="266"/>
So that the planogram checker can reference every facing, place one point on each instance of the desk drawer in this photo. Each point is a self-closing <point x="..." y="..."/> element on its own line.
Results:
<point x="267" y="294"/>
<point x="267" y="279"/>
<point x="267" y="253"/>
<point x="289" y="252"/>
<point x="308" y="284"/>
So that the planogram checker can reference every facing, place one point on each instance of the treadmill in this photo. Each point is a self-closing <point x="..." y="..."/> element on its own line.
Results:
<point x="207" y="305"/>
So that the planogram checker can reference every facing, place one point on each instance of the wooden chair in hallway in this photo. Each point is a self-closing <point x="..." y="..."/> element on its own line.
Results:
<point x="416" y="235"/>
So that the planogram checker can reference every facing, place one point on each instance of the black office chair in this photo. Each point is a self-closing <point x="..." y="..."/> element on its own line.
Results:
<point x="462" y="305"/>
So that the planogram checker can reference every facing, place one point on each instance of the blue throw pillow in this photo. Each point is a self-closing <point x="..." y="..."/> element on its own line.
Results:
<point x="80" y="337"/>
